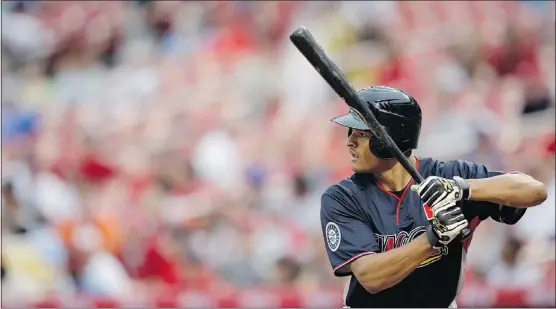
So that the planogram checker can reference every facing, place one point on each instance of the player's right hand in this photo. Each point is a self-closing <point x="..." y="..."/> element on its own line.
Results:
<point x="447" y="223"/>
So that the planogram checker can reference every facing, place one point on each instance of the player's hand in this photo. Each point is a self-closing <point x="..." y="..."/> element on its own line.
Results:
<point x="437" y="191"/>
<point x="447" y="223"/>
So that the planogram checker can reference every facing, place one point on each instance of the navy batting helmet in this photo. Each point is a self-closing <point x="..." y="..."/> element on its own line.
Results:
<point x="399" y="114"/>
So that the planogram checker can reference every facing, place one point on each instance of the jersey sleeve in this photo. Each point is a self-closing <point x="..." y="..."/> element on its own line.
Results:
<point x="347" y="237"/>
<point x="483" y="210"/>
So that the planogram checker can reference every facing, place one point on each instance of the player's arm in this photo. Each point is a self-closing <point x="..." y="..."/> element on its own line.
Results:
<point x="516" y="190"/>
<point x="353" y="249"/>
<point x="384" y="270"/>
<point x="502" y="196"/>
<point x="381" y="271"/>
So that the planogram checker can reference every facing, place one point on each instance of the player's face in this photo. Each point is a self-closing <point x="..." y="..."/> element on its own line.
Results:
<point x="362" y="159"/>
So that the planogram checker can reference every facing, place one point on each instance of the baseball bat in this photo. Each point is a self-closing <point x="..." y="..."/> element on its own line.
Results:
<point x="314" y="53"/>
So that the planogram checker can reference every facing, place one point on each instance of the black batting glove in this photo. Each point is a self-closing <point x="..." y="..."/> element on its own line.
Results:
<point x="447" y="223"/>
<point x="438" y="191"/>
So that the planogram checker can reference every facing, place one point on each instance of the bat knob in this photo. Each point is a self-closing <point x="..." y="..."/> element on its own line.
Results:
<point x="465" y="234"/>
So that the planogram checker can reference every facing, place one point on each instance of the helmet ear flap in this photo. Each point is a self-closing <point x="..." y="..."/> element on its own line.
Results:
<point x="378" y="148"/>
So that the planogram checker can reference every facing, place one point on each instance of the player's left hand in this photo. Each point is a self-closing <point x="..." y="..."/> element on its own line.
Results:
<point x="447" y="224"/>
<point x="437" y="191"/>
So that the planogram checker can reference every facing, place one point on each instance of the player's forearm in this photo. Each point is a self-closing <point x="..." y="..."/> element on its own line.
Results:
<point x="515" y="190"/>
<point x="377" y="272"/>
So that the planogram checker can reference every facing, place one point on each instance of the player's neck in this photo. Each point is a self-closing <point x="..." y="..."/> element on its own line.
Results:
<point x="396" y="178"/>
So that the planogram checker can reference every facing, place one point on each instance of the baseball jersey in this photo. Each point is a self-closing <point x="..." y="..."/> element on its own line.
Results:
<point x="359" y="217"/>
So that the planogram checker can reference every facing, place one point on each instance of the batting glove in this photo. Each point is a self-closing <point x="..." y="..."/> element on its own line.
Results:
<point x="447" y="223"/>
<point x="437" y="191"/>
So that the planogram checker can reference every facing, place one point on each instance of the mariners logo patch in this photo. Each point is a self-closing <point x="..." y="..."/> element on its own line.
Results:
<point x="333" y="236"/>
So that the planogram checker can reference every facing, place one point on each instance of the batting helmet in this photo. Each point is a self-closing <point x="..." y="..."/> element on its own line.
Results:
<point x="399" y="114"/>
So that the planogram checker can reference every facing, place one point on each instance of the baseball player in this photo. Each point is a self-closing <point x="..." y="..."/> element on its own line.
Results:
<point x="400" y="242"/>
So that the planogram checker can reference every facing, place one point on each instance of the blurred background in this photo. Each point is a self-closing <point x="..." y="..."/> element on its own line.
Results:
<point x="174" y="153"/>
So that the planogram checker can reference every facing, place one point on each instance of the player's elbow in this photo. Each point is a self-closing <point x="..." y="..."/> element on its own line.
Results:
<point x="369" y="277"/>
<point x="374" y="283"/>
<point x="539" y="192"/>
<point x="374" y="286"/>
<point x="536" y="190"/>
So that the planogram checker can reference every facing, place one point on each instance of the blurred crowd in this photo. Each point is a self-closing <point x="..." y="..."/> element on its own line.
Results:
<point x="149" y="146"/>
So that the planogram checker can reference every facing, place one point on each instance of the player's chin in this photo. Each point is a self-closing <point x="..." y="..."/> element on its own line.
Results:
<point x="359" y="167"/>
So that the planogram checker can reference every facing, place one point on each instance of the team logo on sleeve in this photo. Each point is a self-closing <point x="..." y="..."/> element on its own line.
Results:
<point x="333" y="236"/>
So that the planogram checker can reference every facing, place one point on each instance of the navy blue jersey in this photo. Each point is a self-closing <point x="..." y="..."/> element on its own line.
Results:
<point x="359" y="217"/>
